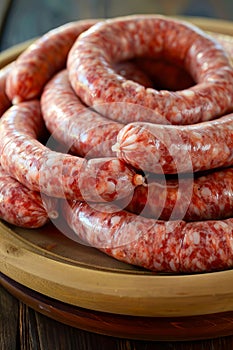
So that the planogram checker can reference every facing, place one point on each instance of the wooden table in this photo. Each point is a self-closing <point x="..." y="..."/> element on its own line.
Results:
<point x="21" y="327"/>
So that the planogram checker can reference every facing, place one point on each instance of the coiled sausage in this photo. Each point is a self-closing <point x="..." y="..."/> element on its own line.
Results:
<point x="173" y="149"/>
<point x="5" y="103"/>
<point x="204" y="197"/>
<point x="91" y="58"/>
<point x="53" y="173"/>
<point x="72" y="123"/>
<point x="164" y="246"/>
<point x="22" y="207"/>
<point x="41" y="60"/>
<point x="84" y="131"/>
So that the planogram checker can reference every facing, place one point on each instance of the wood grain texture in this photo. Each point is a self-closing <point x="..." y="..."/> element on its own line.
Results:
<point x="90" y="279"/>
<point x="141" y="328"/>
<point x="31" y="330"/>
<point x="8" y="321"/>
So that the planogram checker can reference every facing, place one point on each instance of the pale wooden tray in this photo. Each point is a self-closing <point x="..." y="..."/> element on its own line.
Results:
<point x="47" y="262"/>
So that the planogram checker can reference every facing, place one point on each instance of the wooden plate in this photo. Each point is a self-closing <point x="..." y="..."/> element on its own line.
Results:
<point x="124" y="326"/>
<point x="47" y="262"/>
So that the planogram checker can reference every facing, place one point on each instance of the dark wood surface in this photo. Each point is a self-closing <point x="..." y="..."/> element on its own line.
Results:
<point x="21" y="327"/>
<point x="26" y="19"/>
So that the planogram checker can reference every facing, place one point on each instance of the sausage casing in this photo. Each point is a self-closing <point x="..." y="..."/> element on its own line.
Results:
<point x="202" y="197"/>
<point x="91" y="58"/>
<point x="164" y="246"/>
<point x="37" y="64"/>
<point x="22" y="207"/>
<point x="53" y="173"/>
<point x="173" y="149"/>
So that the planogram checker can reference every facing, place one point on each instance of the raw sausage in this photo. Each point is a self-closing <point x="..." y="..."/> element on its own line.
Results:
<point x="91" y="58"/>
<point x="53" y="173"/>
<point x="226" y="42"/>
<point x="166" y="75"/>
<point x="164" y="246"/>
<point x="173" y="149"/>
<point x="84" y="131"/>
<point x="72" y="123"/>
<point x="204" y="197"/>
<point x="22" y="207"/>
<point x="5" y="103"/>
<point x="41" y="60"/>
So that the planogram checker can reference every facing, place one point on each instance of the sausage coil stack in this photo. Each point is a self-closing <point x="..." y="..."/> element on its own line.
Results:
<point x="126" y="125"/>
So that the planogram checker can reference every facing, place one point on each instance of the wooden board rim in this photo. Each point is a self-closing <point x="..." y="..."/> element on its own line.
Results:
<point x="108" y="291"/>
<point x="176" y="295"/>
<point x="129" y="327"/>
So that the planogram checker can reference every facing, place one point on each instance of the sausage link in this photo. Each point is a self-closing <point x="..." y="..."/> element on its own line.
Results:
<point x="72" y="123"/>
<point x="22" y="207"/>
<point x="84" y="131"/>
<point x="173" y="149"/>
<point x="41" y="60"/>
<point x="5" y="103"/>
<point x="205" y="197"/>
<point x="164" y="246"/>
<point x="227" y="43"/>
<point x="53" y="173"/>
<point x="174" y="77"/>
<point x="91" y="58"/>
